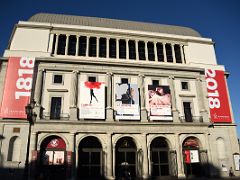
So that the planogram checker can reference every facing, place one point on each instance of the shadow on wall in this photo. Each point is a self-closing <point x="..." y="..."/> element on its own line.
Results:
<point x="206" y="171"/>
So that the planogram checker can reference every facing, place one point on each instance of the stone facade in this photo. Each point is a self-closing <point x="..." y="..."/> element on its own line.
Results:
<point x="113" y="142"/>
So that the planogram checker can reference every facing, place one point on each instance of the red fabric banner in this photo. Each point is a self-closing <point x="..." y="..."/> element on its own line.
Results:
<point x="187" y="156"/>
<point x="218" y="96"/>
<point x="17" y="89"/>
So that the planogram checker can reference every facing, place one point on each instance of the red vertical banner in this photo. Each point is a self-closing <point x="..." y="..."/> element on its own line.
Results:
<point x="218" y="96"/>
<point x="187" y="157"/>
<point x="17" y="88"/>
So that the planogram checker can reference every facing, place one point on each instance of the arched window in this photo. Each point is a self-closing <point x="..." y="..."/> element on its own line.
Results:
<point x="14" y="149"/>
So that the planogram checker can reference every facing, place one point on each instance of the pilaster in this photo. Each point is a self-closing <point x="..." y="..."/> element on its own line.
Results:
<point x="173" y="99"/>
<point x="73" y="96"/>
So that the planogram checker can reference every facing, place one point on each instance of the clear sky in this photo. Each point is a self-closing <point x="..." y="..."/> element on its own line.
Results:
<point x="216" y="19"/>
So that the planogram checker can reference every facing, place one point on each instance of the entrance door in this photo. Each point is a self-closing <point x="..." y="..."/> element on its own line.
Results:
<point x="159" y="157"/>
<point x="125" y="158"/>
<point x="53" y="161"/>
<point x="192" y="161"/>
<point x="90" y="159"/>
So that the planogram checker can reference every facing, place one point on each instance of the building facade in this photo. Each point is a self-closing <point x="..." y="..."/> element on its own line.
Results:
<point x="114" y="98"/>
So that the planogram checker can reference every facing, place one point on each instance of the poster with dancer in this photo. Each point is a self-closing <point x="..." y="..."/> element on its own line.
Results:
<point x="127" y="101"/>
<point x="92" y="100"/>
<point x="159" y="102"/>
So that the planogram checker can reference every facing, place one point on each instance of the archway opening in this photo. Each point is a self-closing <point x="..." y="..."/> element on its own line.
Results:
<point x="191" y="157"/>
<point x="159" y="156"/>
<point x="53" y="157"/>
<point x="90" y="159"/>
<point x="125" y="151"/>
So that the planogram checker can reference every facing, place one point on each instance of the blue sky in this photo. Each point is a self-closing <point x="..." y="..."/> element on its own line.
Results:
<point x="216" y="19"/>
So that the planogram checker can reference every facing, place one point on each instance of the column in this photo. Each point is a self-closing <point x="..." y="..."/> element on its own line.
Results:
<point x="117" y="48"/>
<point x="137" y="54"/>
<point x="67" y="42"/>
<point x="144" y="117"/>
<point x="77" y="45"/>
<point x="56" y="44"/>
<point x="173" y="53"/>
<point x="109" y="97"/>
<point x="164" y="52"/>
<point x="50" y="45"/>
<point x="109" y="162"/>
<point x="38" y="93"/>
<point x="180" y="165"/>
<point x="173" y="99"/>
<point x="114" y="159"/>
<point x="107" y="47"/>
<point x="71" y="165"/>
<point x="155" y="51"/>
<point x="73" y="96"/>
<point x="145" y="164"/>
<point x="146" y="50"/>
<point x="201" y="99"/>
<point x="127" y="49"/>
<point x="33" y="142"/>
<point x="87" y="46"/>
<point x="33" y="155"/>
<point x="182" y="55"/>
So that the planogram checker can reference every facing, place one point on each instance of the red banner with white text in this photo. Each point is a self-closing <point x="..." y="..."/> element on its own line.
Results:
<point x="218" y="96"/>
<point x="17" y="88"/>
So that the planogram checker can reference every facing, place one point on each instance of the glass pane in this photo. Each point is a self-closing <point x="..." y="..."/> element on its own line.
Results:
<point x="155" y="157"/>
<point x="72" y="45"/>
<point x="61" y="44"/>
<point x="155" y="170"/>
<point x="163" y="157"/>
<point x="131" y="157"/>
<point x="95" y="157"/>
<point x="82" y="45"/>
<point x="164" y="170"/>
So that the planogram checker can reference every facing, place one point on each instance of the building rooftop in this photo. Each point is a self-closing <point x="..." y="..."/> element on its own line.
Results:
<point x="113" y="23"/>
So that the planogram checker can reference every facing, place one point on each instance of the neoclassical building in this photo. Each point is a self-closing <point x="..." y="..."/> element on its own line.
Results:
<point x="114" y="98"/>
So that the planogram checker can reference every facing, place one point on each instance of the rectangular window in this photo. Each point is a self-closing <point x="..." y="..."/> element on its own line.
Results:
<point x="160" y="54"/>
<point x="155" y="83"/>
<point x="124" y="80"/>
<point x="141" y="50"/>
<point x="61" y="44"/>
<point x="184" y="85"/>
<point x="122" y="49"/>
<point x="56" y="103"/>
<point x="57" y="79"/>
<point x="178" y="53"/>
<point x="169" y="52"/>
<point x="92" y="46"/>
<point x="82" y="46"/>
<point x="112" y="48"/>
<point x="102" y="47"/>
<point x="132" y="49"/>
<point x="92" y="79"/>
<point x="72" y="45"/>
<point x="150" y="47"/>
<point x="187" y="112"/>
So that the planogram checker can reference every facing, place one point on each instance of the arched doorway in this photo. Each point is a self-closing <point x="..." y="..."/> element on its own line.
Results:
<point x="90" y="159"/>
<point x="126" y="156"/>
<point x="159" y="156"/>
<point x="191" y="157"/>
<point x="53" y="157"/>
